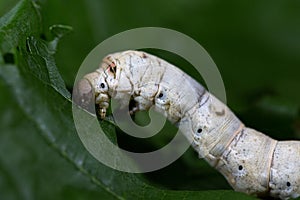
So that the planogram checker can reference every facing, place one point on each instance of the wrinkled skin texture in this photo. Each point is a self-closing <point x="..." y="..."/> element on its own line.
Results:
<point x="251" y="161"/>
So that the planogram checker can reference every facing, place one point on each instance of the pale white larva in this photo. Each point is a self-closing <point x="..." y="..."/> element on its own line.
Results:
<point x="251" y="161"/>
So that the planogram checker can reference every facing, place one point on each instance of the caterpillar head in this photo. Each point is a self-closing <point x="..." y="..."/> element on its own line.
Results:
<point x="97" y="87"/>
<point x="110" y="80"/>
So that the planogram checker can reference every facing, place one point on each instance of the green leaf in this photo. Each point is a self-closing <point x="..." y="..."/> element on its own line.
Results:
<point x="13" y="30"/>
<point x="41" y="155"/>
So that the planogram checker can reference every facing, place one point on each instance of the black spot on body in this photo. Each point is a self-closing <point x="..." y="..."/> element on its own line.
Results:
<point x="288" y="184"/>
<point x="112" y="67"/>
<point x="240" y="167"/>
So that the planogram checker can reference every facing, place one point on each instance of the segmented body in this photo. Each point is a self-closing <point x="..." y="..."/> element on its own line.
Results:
<point x="251" y="161"/>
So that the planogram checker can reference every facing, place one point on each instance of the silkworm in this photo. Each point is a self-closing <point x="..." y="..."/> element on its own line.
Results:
<point x="251" y="162"/>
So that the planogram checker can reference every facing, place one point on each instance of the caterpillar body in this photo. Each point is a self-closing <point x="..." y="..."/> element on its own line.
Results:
<point x="251" y="162"/>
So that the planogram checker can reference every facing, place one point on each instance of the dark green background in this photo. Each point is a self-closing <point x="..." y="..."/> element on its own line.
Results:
<point x="255" y="44"/>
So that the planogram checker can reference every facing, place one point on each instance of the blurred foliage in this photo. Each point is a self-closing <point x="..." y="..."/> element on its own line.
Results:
<point x="255" y="45"/>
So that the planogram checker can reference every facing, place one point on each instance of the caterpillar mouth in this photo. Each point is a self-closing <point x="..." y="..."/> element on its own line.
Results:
<point x="102" y="100"/>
